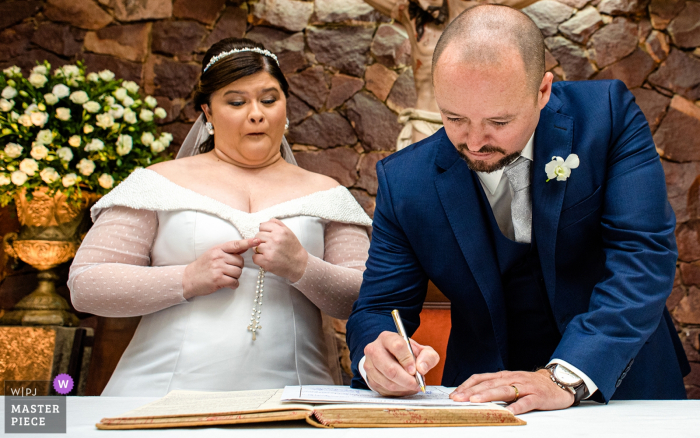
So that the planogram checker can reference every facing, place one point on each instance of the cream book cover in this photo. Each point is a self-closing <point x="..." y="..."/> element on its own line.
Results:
<point x="195" y="408"/>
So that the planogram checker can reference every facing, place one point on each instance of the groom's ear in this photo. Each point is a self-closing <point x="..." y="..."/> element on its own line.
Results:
<point x="545" y="90"/>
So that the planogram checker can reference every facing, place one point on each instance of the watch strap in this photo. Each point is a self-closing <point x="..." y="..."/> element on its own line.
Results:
<point x="580" y="391"/>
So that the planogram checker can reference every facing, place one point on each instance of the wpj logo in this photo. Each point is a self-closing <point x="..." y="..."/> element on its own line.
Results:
<point x="30" y="409"/>
<point x="22" y="391"/>
<point x="63" y="384"/>
<point x="27" y="388"/>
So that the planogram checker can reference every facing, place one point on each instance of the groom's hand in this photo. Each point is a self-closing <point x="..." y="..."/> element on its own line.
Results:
<point x="536" y="391"/>
<point x="390" y="367"/>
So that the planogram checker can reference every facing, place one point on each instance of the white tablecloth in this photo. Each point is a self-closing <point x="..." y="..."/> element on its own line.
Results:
<point x="663" y="419"/>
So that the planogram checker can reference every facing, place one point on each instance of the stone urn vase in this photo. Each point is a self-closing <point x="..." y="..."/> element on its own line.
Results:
<point x="50" y="234"/>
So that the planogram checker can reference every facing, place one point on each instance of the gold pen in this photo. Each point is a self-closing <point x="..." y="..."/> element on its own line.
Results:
<point x="402" y="333"/>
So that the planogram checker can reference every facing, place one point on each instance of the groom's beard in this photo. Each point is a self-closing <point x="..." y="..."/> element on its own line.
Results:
<point x="482" y="166"/>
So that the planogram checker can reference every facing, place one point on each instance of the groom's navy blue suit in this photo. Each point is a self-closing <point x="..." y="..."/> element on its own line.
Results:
<point x="605" y="253"/>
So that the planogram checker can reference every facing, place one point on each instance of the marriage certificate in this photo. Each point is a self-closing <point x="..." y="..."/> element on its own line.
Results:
<point x="434" y="396"/>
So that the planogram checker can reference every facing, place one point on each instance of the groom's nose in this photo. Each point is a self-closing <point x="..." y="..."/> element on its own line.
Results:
<point x="475" y="138"/>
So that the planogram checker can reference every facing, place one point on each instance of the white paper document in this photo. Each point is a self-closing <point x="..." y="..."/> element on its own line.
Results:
<point x="186" y="403"/>
<point x="434" y="396"/>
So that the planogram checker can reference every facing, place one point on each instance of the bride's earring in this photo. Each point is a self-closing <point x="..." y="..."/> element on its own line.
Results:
<point x="286" y="125"/>
<point x="210" y="128"/>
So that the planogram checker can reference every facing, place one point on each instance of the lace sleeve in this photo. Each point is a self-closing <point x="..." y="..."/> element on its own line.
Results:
<point x="333" y="284"/>
<point x="111" y="273"/>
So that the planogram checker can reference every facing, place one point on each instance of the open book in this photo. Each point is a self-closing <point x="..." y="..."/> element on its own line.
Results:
<point x="194" y="408"/>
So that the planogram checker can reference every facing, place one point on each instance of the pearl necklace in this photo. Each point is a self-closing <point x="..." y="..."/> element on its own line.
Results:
<point x="254" y="325"/>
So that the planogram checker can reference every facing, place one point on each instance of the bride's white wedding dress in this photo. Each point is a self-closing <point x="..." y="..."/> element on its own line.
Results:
<point x="132" y="261"/>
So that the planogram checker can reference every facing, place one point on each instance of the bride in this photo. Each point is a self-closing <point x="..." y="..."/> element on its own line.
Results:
<point x="231" y="252"/>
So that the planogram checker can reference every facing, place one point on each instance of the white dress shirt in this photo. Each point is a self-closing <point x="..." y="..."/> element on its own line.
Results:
<point x="500" y="194"/>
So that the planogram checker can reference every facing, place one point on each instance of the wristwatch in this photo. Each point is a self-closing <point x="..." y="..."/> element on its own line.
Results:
<point x="569" y="381"/>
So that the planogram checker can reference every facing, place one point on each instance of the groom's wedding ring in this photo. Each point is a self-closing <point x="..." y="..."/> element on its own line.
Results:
<point x="257" y="251"/>
<point x="517" y="394"/>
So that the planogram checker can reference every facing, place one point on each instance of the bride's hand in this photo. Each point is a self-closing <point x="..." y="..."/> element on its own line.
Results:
<point x="219" y="267"/>
<point x="280" y="251"/>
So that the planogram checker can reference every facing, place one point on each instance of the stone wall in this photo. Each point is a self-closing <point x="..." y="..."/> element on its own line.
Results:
<point x="349" y="72"/>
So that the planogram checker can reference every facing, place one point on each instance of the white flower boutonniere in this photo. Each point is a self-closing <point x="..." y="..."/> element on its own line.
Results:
<point x="561" y="169"/>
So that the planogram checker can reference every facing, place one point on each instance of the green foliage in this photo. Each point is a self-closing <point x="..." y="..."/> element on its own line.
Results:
<point x="72" y="131"/>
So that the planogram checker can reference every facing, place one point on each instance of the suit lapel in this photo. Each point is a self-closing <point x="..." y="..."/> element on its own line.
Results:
<point x="458" y="189"/>
<point x="553" y="137"/>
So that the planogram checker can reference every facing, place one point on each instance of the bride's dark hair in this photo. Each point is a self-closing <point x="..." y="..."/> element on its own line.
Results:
<point x="232" y="68"/>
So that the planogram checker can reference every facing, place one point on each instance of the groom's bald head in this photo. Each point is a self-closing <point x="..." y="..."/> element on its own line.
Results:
<point x="489" y="35"/>
<point x="490" y="84"/>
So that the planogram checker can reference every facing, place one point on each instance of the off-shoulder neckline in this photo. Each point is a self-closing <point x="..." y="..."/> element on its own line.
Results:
<point x="223" y="204"/>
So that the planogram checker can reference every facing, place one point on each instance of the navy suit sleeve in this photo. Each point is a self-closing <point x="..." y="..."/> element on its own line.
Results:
<point x="394" y="279"/>
<point x="640" y="253"/>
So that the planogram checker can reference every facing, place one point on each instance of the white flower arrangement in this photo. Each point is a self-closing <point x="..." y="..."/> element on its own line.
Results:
<point x="69" y="180"/>
<point x="79" y="97"/>
<point x="18" y="178"/>
<point x="75" y="141"/>
<point x="60" y="91"/>
<point x="29" y="166"/>
<point x="9" y="92"/>
<point x="63" y="114"/>
<point x="37" y="79"/>
<point x="125" y="143"/>
<point x="151" y="101"/>
<point x="95" y="145"/>
<point x="39" y="152"/>
<point x="146" y="115"/>
<point x="64" y="154"/>
<point x="86" y="167"/>
<point x="73" y="131"/>
<point x="13" y="150"/>
<point x="6" y="105"/>
<point x="561" y="169"/>
<point x="50" y="99"/>
<point x="106" y="181"/>
<point x="49" y="175"/>
<point x="147" y="138"/>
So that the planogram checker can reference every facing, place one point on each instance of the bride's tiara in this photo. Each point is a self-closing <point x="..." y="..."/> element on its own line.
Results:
<point x="222" y="55"/>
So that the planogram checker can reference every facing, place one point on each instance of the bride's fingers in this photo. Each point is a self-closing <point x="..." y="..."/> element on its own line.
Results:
<point x="239" y="246"/>
<point x="264" y="236"/>
<point x="265" y="226"/>
<point x="233" y="259"/>
<point x="258" y="252"/>
<point x="269" y="226"/>
<point x="232" y="271"/>
<point x="225" y="276"/>
<point x="261" y="258"/>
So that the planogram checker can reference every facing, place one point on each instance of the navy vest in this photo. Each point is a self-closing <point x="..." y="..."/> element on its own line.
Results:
<point x="532" y="332"/>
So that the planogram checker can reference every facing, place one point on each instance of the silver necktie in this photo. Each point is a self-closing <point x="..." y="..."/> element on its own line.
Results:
<point x="518" y="174"/>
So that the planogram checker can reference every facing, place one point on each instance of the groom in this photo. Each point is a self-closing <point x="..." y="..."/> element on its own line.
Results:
<point x="558" y="278"/>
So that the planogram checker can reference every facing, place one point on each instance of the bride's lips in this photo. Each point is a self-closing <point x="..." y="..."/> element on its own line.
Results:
<point x="255" y="134"/>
